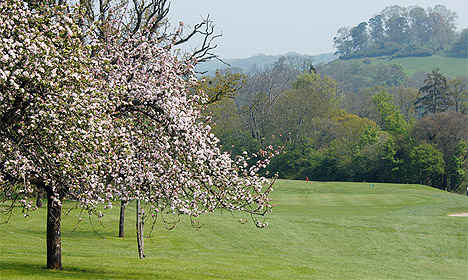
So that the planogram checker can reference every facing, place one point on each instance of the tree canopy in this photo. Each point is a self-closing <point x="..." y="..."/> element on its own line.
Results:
<point x="106" y="116"/>
<point x="400" y="32"/>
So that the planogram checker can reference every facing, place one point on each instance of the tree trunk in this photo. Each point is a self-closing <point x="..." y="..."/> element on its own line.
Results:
<point x="122" y="218"/>
<point x="40" y="194"/>
<point x="140" y="224"/>
<point x="54" y="246"/>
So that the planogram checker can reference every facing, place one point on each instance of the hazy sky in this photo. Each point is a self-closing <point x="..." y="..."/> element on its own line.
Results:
<point x="279" y="26"/>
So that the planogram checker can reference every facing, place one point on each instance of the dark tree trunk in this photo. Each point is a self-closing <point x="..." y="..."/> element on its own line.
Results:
<point x="445" y="182"/>
<point x="123" y="203"/>
<point x="54" y="241"/>
<point x="140" y="225"/>
<point x="40" y="194"/>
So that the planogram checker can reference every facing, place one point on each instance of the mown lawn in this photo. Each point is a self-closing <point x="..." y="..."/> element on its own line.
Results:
<point x="317" y="231"/>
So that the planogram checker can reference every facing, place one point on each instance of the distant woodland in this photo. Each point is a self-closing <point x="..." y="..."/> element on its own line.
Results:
<point x="355" y="120"/>
<point x="403" y="32"/>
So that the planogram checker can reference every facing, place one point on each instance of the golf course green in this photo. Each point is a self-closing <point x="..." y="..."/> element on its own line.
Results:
<point x="317" y="230"/>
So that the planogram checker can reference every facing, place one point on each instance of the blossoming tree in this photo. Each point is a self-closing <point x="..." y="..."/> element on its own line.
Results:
<point x="54" y="129"/>
<point x="173" y="161"/>
<point x="116" y="119"/>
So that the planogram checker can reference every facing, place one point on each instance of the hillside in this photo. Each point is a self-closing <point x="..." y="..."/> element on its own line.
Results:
<point x="258" y="60"/>
<point x="357" y="74"/>
<point x="449" y="66"/>
<point x="403" y="32"/>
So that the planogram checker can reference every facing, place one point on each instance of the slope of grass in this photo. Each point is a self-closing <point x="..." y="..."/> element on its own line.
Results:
<point x="449" y="66"/>
<point x="317" y="231"/>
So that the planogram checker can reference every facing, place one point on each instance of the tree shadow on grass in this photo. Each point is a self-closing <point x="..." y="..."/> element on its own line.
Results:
<point x="17" y="270"/>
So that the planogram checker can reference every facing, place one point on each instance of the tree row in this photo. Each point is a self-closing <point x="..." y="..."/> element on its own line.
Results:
<point x="330" y="131"/>
<point x="402" y="32"/>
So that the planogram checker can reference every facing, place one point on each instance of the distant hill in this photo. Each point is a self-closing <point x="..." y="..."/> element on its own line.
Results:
<point x="354" y="75"/>
<point x="403" y="32"/>
<point x="258" y="60"/>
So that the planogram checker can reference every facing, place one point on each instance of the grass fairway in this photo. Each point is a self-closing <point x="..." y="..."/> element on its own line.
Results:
<point x="317" y="231"/>
<point x="449" y="66"/>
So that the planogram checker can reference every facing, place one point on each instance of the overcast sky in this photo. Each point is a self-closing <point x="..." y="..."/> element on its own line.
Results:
<point x="278" y="26"/>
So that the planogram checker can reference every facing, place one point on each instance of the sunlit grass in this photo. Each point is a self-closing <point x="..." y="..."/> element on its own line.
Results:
<point x="317" y="231"/>
<point x="449" y="66"/>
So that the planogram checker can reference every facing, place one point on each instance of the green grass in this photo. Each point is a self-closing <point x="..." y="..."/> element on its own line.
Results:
<point x="450" y="67"/>
<point x="317" y="231"/>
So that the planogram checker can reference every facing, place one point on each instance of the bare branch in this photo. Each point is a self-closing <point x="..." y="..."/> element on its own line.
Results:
<point x="206" y="29"/>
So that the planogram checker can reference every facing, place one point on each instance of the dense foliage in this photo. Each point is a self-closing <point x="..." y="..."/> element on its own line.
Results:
<point x="401" y="32"/>
<point x="367" y="123"/>
<point x="103" y="114"/>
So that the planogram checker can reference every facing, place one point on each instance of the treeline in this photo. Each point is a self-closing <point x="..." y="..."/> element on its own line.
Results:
<point x="385" y="132"/>
<point x="403" y="32"/>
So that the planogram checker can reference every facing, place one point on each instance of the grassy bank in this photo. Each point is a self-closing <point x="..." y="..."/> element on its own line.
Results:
<point x="450" y="67"/>
<point x="317" y="231"/>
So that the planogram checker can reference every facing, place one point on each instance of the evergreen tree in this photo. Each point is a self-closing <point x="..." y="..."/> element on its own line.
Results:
<point x="434" y="97"/>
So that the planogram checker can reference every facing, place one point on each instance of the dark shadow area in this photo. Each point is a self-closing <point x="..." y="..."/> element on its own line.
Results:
<point x="34" y="271"/>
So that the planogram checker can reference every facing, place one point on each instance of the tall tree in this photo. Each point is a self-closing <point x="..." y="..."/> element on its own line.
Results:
<point x="397" y="29"/>
<point x="347" y="154"/>
<point x="150" y="17"/>
<point x="419" y="25"/>
<point x="174" y="158"/>
<point x="396" y="23"/>
<point x="359" y="36"/>
<point x="391" y="119"/>
<point x="113" y="121"/>
<point x="376" y="27"/>
<point x="445" y="131"/>
<point x="54" y="128"/>
<point x="460" y="47"/>
<point x="405" y="99"/>
<point x="434" y="94"/>
<point x="343" y="41"/>
<point x="393" y="11"/>
<point x="442" y="25"/>
<point x="427" y="164"/>
<point x="261" y="91"/>
<point x="298" y="111"/>
<point x="458" y="94"/>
